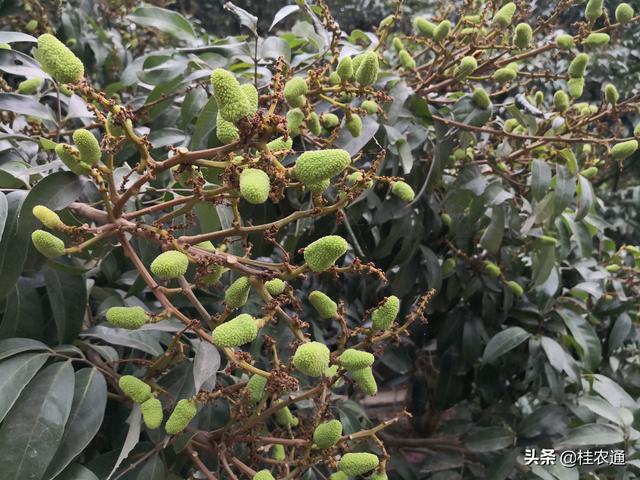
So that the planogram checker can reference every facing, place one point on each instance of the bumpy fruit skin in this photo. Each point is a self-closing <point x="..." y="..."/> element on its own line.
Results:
<point x="127" y="317"/>
<point x="345" y="68"/>
<point x="88" y="146"/>
<point x="365" y="380"/>
<point x="57" y="60"/>
<point x="280" y="144"/>
<point x="70" y="157"/>
<point x="29" y="86"/>
<point x="339" y="476"/>
<point x="255" y="387"/>
<point x="383" y="316"/>
<point x="295" y="121"/>
<point x="226" y="131"/>
<point x="294" y="91"/>
<point x="624" y="13"/>
<point x="354" y="464"/>
<point x="424" y="27"/>
<point x="593" y="9"/>
<point x="575" y="87"/>
<point x="565" y="42"/>
<point x="370" y="107"/>
<point x="442" y="30"/>
<point x="237" y="293"/>
<point x="334" y="78"/>
<point x="481" y="98"/>
<point x="624" y="150"/>
<point x="181" y="416"/>
<point x="327" y="433"/>
<point x="611" y="94"/>
<point x="406" y="60"/>
<point x="152" y="413"/>
<point x="325" y="307"/>
<point x="48" y="217"/>
<point x="504" y="75"/>
<point x="254" y="185"/>
<point x="263" y="475"/>
<point x="397" y="44"/>
<point x="47" y="244"/>
<point x="367" y="72"/>
<point x="313" y="123"/>
<point x="466" y="67"/>
<point x="236" y="332"/>
<point x="504" y="16"/>
<point x="170" y="264"/>
<point x="403" y="191"/>
<point x="589" y="172"/>
<point x="134" y="388"/>
<point x="317" y="165"/>
<point x="329" y="120"/>
<point x="448" y="266"/>
<point x="561" y="101"/>
<point x="522" y="35"/>
<point x="379" y="476"/>
<point x="492" y="269"/>
<point x="319" y="187"/>
<point x="278" y="452"/>
<point x="578" y="65"/>
<point x="352" y="359"/>
<point x="251" y="94"/>
<point x="596" y="40"/>
<point x="515" y="288"/>
<point x="232" y="101"/>
<point x="311" y="358"/>
<point x="285" y="418"/>
<point x="323" y="253"/>
<point x="354" y="125"/>
<point x="275" y="286"/>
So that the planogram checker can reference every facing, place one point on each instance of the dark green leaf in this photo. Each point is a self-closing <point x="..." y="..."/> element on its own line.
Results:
<point x="24" y="105"/>
<point x="489" y="439"/>
<point x="15" y="374"/>
<point x="167" y="21"/>
<point x="504" y="342"/>
<point x="67" y="295"/>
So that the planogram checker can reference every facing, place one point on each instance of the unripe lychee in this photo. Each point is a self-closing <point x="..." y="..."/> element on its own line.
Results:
<point x="515" y="288"/>
<point x="379" y="476"/>
<point x="317" y="165"/>
<point x="170" y="264"/>
<point x="624" y="13"/>
<point x="127" y="317"/>
<point x="575" y="87"/>
<point x="354" y="464"/>
<point x="595" y="40"/>
<point x="442" y="30"/>
<point x="623" y="150"/>
<point x="251" y="94"/>
<point x="88" y="146"/>
<point x="323" y="253"/>
<point x="313" y="123"/>
<point x="47" y="217"/>
<point x="352" y="359"/>
<point x="334" y="78"/>
<point x="611" y="94"/>
<point x="504" y="16"/>
<point x="236" y="332"/>
<point x="152" y="413"/>
<point x="285" y="418"/>
<point x="565" y="42"/>
<point x="481" y="98"/>
<point x="280" y="144"/>
<point x="345" y="68"/>
<point x="522" y="35"/>
<point x="319" y="187"/>
<point x="181" y="416"/>
<point x="424" y="27"/>
<point x="134" y="388"/>
<point x="561" y="101"/>
<point x="397" y="44"/>
<point x="232" y="101"/>
<point x="383" y="317"/>
<point x="275" y="286"/>
<point x="406" y="60"/>
<point x="325" y="307"/>
<point x="466" y="67"/>
<point x="29" y="86"/>
<point x="593" y="9"/>
<point x="70" y="156"/>
<point x="226" y="131"/>
<point x="370" y="107"/>
<point x="254" y="185"/>
<point x="365" y="380"/>
<point x="295" y="121"/>
<point x="448" y="266"/>
<point x="47" y="244"/>
<point x="278" y="452"/>
<point x="263" y="475"/>
<point x="339" y="476"/>
<point x="238" y="293"/>
<point x="255" y="387"/>
<point x="504" y="75"/>
<point x="57" y="60"/>
<point x="578" y="65"/>
<point x="367" y="72"/>
<point x="294" y="91"/>
<point x="403" y="191"/>
<point x="354" y="125"/>
<point x="492" y="269"/>
<point x="311" y="358"/>
<point x="327" y="434"/>
<point x="589" y="172"/>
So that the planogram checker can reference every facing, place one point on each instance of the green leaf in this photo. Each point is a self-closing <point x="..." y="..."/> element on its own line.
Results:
<point x="592" y="434"/>
<point x="540" y="178"/>
<point x="133" y="435"/>
<point x="565" y="189"/>
<point x="585" y="198"/>
<point x="153" y="469"/>
<point x="205" y="124"/>
<point x="13" y="346"/>
<point x="585" y="335"/>
<point x="67" y="295"/>
<point x="4" y="212"/>
<point x="602" y="408"/>
<point x="489" y="439"/>
<point x="11" y="37"/>
<point x="283" y="13"/>
<point x="205" y="365"/>
<point x="543" y="261"/>
<point x="32" y="431"/>
<point x="143" y="341"/>
<point x="87" y="412"/>
<point x="167" y="21"/>
<point x="503" y="342"/>
<point x="24" y="315"/>
<point x="24" y="105"/>
<point x="248" y="20"/>
<point x="77" y="472"/>
<point x="492" y="237"/>
<point x="15" y="374"/>
<point x="55" y="191"/>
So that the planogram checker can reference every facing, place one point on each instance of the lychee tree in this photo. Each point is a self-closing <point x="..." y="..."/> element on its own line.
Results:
<point x="188" y="252"/>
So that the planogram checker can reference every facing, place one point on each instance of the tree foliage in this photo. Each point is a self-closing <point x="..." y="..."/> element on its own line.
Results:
<point x="212" y="249"/>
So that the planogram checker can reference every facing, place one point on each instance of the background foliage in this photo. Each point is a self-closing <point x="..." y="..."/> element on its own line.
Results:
<point x="488" y="375"/>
